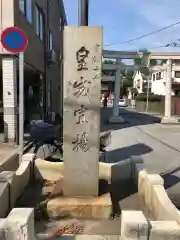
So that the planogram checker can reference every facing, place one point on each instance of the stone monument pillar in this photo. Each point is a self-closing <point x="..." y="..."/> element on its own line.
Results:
<point x="116" y="118"/>
<point x="81" y="128"/>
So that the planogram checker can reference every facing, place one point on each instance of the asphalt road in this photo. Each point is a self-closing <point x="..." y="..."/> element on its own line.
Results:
<point x="143" y="135"/>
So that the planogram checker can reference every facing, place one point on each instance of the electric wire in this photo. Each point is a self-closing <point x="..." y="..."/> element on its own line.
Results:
<point x="144" y="35"/>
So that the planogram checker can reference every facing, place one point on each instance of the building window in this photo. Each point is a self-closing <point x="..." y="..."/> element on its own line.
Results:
<point x="41" y="26"/>
<point x="26" y="8"/>
<point x="50" y="40"/>
<point x="39" y="23"/>
<point x="29" y="10"/>
<point x="177" y="74"/>
<point x="22" y="6"/>
<point x="37" y="20"/>
<point x="158" y="76"/>
<point x="138" y="84"/>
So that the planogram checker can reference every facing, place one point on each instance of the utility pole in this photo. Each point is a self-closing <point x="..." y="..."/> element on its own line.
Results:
<point x="83" y="12"/>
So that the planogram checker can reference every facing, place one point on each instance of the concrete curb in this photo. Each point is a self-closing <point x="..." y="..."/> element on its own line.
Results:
<point x="18" y="225"/>
<point x="13" y="183"/>
<point x="139" y="227"/>
<point x="121" y="171"/>
<point x="53" y="171"/>
<point x="153" y="194"/>
<point x="10" y="163"/>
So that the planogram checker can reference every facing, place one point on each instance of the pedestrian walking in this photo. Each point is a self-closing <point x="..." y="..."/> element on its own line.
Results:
<point x="105" y="101"/>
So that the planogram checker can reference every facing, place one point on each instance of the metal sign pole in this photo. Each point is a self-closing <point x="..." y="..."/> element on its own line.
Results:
<point x="17" y="45"/>
<point x="21" y="105"/>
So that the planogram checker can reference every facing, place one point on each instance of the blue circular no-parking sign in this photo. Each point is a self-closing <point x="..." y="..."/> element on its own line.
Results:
<point x="14" y="40"/>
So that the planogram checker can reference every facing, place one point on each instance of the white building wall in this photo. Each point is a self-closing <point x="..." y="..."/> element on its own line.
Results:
<point x="158" y="85"/>
<point x="138" y="82"/>
<point x="175" y="68"/>
<point x="9" y="67"/>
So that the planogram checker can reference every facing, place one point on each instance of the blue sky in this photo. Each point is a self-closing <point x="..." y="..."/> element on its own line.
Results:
<point x="126" y="19"/>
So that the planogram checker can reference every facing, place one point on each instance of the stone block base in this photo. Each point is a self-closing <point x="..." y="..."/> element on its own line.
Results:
<point x="116" y="119"/>
<point x="96" y="237"/>
<point x="99" y="207"/>
<point x="134" y="225"/>
<point x="171" y="120"/>
<point x="164" y="230"/>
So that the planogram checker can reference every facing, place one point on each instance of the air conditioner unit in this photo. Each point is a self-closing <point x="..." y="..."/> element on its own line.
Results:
<point x="52" y="57"/>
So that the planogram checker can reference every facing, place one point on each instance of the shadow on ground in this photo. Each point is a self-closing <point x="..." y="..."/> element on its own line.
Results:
<point x="120" y="154"/>
<point x="132" y="118"/>
<point x="170" y="179"/>
<point x="119" y="191"/>
<point x="123" y="190"/>
<point x="172" y="185"/>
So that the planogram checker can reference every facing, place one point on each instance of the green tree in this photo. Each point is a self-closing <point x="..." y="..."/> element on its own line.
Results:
<point x="153" y="62"/>
<point x="137" y="61"/>
<point x="107" y="72"/>
<point x="127" y="79"/>
<point x="163" y="61"/>
<point x="126" y="82"/>
<point x="134" y="92"/>
<point x="108" y="61"/>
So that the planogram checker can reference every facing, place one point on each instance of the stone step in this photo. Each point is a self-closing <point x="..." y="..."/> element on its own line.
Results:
<point x="98" y="207"/>
<point x="89" y="227"/>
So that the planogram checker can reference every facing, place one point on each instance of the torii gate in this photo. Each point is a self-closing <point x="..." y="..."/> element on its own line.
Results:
<point x="145" y="56"/>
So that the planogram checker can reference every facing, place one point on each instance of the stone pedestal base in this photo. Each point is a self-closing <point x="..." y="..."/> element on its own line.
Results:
<point x="116" y="119"/>
<point x="99" y="207"/>
<point x="171" y="120"/>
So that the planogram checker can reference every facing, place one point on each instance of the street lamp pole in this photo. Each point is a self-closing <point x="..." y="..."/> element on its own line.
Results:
<point x="83" y="12"/>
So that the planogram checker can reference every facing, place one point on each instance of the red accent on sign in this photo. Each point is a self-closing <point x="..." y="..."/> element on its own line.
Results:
<point x="7" y="32"/>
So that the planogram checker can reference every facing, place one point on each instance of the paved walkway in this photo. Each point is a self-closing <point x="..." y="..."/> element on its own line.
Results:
<point x="5" y="151"/>
<point x="158" y="144"/>
<point x="8" y="157"/>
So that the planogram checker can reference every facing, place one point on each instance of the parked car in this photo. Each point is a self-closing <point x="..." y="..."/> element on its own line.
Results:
<point x="122" y="103"/>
